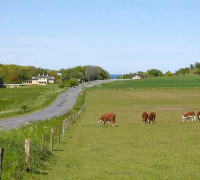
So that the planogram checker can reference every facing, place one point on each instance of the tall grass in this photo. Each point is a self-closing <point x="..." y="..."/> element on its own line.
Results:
<point x="18" y="101"/>
<point x="13" y="143"/>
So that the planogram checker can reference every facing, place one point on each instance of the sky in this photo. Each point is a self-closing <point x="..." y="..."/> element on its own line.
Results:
<point x="121" y="36"/>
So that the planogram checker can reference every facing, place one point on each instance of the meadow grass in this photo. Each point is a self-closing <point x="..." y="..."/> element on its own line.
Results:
<point x="168" y="149"/>
<point x="180" y="82"/>
<point x="18" y="101"/>
<point x="13" y="143"/>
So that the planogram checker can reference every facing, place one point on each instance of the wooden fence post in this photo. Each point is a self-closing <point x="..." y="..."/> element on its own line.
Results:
<point x="27" y="153"/>
<point x="67" y="122"/>
<point x="51" y="139"/>
<point x="1" y="160"/>
<point x="63" y="129"/>
<point x="74" y="118"/>
<point x="42" y="144"/>
<point x="58" y="134"/>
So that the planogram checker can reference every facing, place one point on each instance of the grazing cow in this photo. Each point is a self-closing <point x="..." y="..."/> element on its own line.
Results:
<point x="188" y="116"/>
<point x="107" y="117"/>
<point x="198" y="115"/>
<point x="144" y="117"/>
<point x="152" y="117"/>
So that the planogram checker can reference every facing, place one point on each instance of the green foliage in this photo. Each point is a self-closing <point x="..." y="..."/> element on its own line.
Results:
<point x="24" y="107"/>
<point x="1" y="82"/>
<point x="168" y="73"/>
<point x="155" y="72"/>
<point x="14" y="74"/>
<point x="69" y="83"/>
<point x="183" y="71"/>
<point x="85" y="73"/>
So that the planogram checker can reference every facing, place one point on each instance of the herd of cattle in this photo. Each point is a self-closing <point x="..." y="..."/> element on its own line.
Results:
<point x="147" y="118"/>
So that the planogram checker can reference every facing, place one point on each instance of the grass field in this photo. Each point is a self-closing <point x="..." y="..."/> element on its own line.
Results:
<point x="18" y="101"/>
<point x="179" y="82"/>
<point x="168" y="149"/>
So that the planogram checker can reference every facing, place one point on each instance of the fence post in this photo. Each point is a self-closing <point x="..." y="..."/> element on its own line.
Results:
<point x="74" y="118"/>
<point x="1" y="160"/>
<point x="51" y="139"/>
<point x="27" y="153"/>
<point x="58" y="134"/>
<point x="63" y="129"/>
<point x="67" y="122"/>
<point x="42" y="144"/>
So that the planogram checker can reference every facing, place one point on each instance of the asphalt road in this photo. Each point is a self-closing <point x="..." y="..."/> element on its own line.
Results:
<point x="63" y="104"/>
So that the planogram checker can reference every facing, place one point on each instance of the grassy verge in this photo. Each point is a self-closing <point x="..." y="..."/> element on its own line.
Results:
<point x="168" y="149"/>
<point x="13" y="143"/>
<point x="18" y="101"/>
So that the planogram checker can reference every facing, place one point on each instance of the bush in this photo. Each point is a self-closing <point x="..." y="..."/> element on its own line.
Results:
<point x="24" y="107"/>
<point x="68" y="83"/>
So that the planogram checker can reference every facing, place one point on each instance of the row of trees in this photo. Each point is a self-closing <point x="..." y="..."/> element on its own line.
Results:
<point x="84" y="73"/>
<point x="192" y="69"/>
<point x="16" y="74"/>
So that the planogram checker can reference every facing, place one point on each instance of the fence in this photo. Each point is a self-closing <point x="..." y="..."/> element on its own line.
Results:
<point x="61" y="128"/>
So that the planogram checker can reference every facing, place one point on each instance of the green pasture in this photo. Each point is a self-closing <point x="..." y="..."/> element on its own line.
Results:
<point x="168" y="149"/>
<point x="18" y="101"/>
<point x="180" y="82"/>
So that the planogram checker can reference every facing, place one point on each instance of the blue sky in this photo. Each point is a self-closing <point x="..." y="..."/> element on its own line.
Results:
<point x="121" y="36"/>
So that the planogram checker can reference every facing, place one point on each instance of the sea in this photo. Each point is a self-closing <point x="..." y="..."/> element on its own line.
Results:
<point x="114" y="76"/>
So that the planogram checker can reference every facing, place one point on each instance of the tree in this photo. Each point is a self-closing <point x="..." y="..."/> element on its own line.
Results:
<point x="13" y="77"/>
<point x="1" y="82"/>
<point x="183" y="71"/>
<point x="168" y="73"/>
<point x="155" y="72"/>
<point x="197" y="65"/>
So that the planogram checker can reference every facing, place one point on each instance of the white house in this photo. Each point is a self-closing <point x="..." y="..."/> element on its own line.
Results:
<point x="136" y="77"/>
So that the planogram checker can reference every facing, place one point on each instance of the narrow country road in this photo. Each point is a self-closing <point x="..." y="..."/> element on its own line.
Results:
<point x="64" y="102"/>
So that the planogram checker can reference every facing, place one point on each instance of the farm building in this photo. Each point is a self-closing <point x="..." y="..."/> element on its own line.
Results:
<point x="39" y="80"/>
<point x="136" y="77"/>
<point x="11" y="85"/>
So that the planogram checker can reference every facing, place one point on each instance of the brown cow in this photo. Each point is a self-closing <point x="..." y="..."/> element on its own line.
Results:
<point x="144" y="117"/>
<point x="188" y="116"/>
<point x="152" y="117"/>
<point x="107" y="117"/>
<point x="198" y="115"/>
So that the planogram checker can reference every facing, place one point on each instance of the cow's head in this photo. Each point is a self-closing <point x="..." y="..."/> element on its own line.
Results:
<point x="99" y="120"/>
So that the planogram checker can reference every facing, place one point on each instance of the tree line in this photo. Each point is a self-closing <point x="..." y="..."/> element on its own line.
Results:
<point x="15" y="74"/>
<point x="192" y="69"/>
